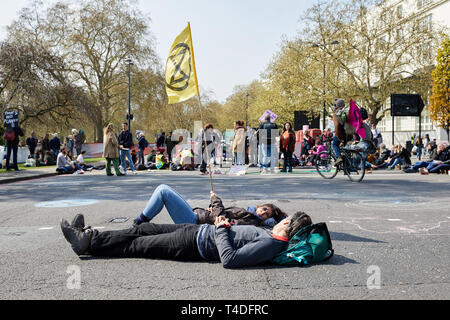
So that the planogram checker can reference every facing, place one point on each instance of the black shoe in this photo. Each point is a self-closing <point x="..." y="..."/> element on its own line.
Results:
<point x="136" y="223"/>
<point x="78" y="222"/>
<point x="109" y="174"/>
<point x="80" y="240"/>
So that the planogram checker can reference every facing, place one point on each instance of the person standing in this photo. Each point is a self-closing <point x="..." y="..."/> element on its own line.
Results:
<point x="142" y="144"/>
<point x="239" y="143"/>
<point x="161" y="142"/>
<point x="55" y="144"/>
<point x="69" y="144"/>
<point x="125" y="144"/>
<point x="267" y="137"/>
<point x="11" y="137"/>
<point x="206" y="150"/>
<point x="32" y="142"/>
<point x="287" y="146"/>
<point x="45" y="146"/>
<point x="111" y="150"/>
<point x="77" y="140"/>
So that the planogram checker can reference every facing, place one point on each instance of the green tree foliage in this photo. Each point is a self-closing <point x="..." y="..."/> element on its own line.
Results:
<point x="94" y="38"/>
<point x="440" y="99"/>
<point x="368" y="52"/>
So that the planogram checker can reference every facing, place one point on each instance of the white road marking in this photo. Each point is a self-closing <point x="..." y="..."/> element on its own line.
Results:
<point x="47" y="228"/>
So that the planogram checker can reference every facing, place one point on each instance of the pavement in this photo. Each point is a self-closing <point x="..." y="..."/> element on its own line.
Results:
<point x="391" y="235"/>
<point x="44" y="172"/>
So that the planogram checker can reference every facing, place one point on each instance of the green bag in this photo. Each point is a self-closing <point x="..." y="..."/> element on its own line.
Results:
<point x="311" y="244"/>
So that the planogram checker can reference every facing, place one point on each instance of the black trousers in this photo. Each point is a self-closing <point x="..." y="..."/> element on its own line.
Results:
<point x="12" y="147"/>
<point x="149" y="240"/>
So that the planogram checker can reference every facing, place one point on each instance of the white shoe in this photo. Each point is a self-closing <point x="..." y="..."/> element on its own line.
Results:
<point x="264" y="171"/>
<point x="135" y="172"/>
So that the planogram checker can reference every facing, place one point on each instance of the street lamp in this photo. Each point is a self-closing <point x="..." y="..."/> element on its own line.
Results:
<point x="324" y="46"/>
<point x="246" y="110"/>
<point x="130" y="63"/>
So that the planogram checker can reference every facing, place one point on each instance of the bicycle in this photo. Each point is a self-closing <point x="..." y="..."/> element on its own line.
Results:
<point x="353" y="164"/>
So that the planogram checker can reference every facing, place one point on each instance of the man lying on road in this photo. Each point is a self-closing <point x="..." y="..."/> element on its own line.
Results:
<point x="234" y="246"/>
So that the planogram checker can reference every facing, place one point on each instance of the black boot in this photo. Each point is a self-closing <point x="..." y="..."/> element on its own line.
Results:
<point x="79" y="239"/>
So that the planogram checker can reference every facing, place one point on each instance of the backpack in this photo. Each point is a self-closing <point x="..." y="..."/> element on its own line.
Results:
<point x="311" y="244"/>
<point x="9" y="135"/>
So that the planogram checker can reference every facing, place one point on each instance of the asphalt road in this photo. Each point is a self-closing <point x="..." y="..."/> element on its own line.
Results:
<point x="391" y="236"/>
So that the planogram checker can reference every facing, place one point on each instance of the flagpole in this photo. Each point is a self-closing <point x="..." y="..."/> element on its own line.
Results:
<point x="201" y="109"/>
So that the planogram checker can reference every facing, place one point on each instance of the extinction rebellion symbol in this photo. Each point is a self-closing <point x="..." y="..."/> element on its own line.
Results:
<point x="180" y="78"/>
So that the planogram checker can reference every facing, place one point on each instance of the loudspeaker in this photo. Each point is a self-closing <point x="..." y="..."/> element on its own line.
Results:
<point x="301" y="119"/>
<point x="408" y="105"/>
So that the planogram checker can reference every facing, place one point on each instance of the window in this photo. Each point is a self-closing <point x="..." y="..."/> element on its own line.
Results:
<point x="422" y="3"/>
<point x="426" y="23"/>
<point x="400" y="12"/>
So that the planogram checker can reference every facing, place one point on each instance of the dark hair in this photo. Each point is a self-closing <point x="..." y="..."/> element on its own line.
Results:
<point x="83" y="152"/>
<point x="290" y="127"/>
<point x="209" y="126"/>
<point x="364" y="114"/>
<point x="126" y="123"/>
<point x="298" y="221"/>
<point x="277" y="213"/>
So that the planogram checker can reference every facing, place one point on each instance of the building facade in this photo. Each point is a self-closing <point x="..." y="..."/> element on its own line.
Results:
<point x="428" y="13"/>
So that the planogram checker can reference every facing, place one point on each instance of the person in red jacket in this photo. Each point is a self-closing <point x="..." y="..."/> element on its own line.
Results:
<point x="287" y="146"/>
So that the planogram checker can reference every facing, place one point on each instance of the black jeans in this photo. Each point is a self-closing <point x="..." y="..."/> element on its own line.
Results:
<point x="287" y="160"/>
<point x="149" y="240"/>
<point x="12" y="147"/>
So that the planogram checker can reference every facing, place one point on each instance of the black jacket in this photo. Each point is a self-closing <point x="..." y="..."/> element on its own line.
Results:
<point x="266" y="136"/>
<point x="125" y="139"/>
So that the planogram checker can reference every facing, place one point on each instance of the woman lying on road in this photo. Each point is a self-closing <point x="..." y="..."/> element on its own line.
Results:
<point x="180" y="211"/>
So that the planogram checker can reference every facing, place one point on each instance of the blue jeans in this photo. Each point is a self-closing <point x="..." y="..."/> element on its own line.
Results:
<point x="335" y="145"/>
<point x="179" y="210"/>
<point x="396" y="162"/>
<point x="421" y="164"/>
<point x="268" y="152"/>
<point x="123" y="163"/>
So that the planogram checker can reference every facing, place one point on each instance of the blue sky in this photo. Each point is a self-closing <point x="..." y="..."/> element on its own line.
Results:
<point x="234" y="40"/>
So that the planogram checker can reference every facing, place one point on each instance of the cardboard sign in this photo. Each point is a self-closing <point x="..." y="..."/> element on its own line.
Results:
<point x="273" y="116"/>
<point x="11" y="119"/>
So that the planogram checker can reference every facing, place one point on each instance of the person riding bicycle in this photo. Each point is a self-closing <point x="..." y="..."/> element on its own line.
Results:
<point x="345" y="132"/>
<point x="343" y="129"/>
<point x="365" y="146"/>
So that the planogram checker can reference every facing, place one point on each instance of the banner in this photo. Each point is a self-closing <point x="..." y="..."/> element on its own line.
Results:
<point x="181" y="75"/>
<point x="11" y="119"/>
<point x="356" y="120"/>
<point x="273" y="116"/>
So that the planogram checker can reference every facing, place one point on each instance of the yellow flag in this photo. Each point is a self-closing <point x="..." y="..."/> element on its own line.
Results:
<point x="181" y="76"/>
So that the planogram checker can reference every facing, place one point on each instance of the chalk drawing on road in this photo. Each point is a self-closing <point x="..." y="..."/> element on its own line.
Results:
<point x="66" y="203"/>
<point x="380" y="225"/>
<point x="396" y="204"/>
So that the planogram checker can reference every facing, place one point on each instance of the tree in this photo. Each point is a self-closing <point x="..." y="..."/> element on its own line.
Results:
<point x="94" y="38"/>
<point x="440" y="99"/>
<point x="33" y="80"/>
<point x="376" y="50"/>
